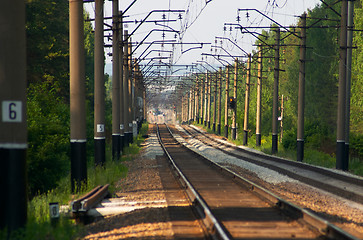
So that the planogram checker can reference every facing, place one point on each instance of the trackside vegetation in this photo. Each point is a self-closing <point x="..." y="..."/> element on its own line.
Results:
<point x="39" y="225"/>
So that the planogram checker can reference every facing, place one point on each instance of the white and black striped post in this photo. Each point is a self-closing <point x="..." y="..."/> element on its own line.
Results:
<point x="13" y="126"/>
<point x="77" y="95"/>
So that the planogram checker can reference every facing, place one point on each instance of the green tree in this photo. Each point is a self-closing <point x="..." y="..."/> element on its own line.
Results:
<point x="47" y="29"/>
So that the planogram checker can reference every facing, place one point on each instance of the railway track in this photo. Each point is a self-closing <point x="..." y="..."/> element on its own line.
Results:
<point x="232" y="207"/>
<point x="336" y="182"/>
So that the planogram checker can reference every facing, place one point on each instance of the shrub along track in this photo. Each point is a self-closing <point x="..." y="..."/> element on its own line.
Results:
<point x="241" y="208"/>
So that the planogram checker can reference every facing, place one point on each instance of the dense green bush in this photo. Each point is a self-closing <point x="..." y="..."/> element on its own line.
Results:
<point x="356" y="146"/>
<point x="289" y="139"/>
<point x="48" y="136"/>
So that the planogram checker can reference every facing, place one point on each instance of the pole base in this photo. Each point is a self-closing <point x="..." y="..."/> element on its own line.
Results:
<point x="214" y="127"/>
<point x="234" y="133"/>
<point x="226" y="131"/>
<point x="219" y="129"/>
<point x="341" y="157"/>
<point x="13" y="182"/>
<point x="245" y="137"/>
<point x="100" y="152"/>
<point x="78" y="165"/>
<point x="122" y="143"/>
<point x="274" y="144"/>
<point x="258" y="139"/>
<point x="209" y="124"/>
<point x="115" y="147"/>
<point x="300" y="150"/>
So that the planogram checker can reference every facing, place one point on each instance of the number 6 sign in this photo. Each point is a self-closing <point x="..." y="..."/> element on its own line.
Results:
<point x="12" y="111"/>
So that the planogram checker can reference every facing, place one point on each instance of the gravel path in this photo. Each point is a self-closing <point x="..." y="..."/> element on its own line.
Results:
<point x="155" y="206"/>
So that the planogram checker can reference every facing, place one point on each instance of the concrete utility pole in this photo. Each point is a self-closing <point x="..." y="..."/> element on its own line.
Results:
<point x="259" y="92"/>
<point x="13" y="121"/>
<point x="201" y="100"/>
<point x="205" y="98"/>
<point x="133" y="94"/>
<point x="126" y="94"/>
<point x="234" y="117"/>
<point x="184" y="109"/>
<point x="349" y="76"/>
<point x="77" y="95"/>
<point x="282" y="118"/>
<point x="301" y="100"/>
<point x="131" y="91"/>
<point x="196" y="99"/>
<point x="115" y="83"/>
<point x="341" y="161"/>
<point x="144" y="102"/>
<point x="226" y="104"/>
<point x="190" y="107"/>
<point x="247" y="101"/>
<point x="209" y="100"/>
<point x="120" y="83"/>
<point x="276" y="93"/>
<point x="215" y="103"/>
<point x="99" y="97"/>
<point x="219" y="101"/>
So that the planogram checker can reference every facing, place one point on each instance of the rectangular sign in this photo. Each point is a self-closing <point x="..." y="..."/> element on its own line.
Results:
<point x="100" y="128"/>
<point x="12" y="111"/>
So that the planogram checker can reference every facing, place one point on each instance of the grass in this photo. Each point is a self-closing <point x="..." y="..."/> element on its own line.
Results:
<point x="38" y="224"/>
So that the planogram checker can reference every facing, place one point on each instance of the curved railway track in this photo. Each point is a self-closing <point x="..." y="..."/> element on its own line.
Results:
<point x="336" y="182"/>
<point x="232" y="207"/>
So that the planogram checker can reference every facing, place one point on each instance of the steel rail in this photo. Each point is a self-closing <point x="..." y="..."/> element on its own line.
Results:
<point x="326" y="228"/>
<point x="354" y="196"/>
<point x="90" y="199"/>
<point x="212" y="225"/>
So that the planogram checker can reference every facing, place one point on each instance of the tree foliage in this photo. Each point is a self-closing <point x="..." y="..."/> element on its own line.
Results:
<point x="47" y="31"/>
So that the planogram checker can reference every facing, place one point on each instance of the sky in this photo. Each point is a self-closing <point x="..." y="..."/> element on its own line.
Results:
<point x="199" y="25"/>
